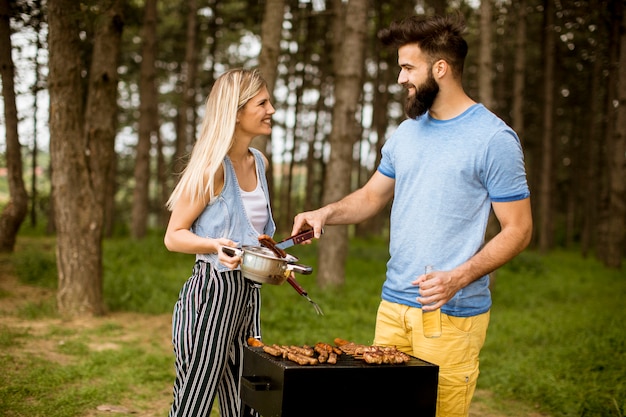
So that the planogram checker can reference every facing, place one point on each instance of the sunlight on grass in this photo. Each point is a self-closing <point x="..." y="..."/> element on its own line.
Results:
<point x="34" y="386"/>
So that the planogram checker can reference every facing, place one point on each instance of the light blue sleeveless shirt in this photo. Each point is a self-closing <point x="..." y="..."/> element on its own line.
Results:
<point x="447" y="173"/>
<point x="226" y="215"/>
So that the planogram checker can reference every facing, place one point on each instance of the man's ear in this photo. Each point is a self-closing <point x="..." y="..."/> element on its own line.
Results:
<point x="440" y="68"/>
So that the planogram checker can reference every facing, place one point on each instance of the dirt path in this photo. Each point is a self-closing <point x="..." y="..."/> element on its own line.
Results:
<point x="151" y="332"/>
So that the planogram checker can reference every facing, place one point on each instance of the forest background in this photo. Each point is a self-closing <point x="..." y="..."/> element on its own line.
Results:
<point x="122" y="84"/>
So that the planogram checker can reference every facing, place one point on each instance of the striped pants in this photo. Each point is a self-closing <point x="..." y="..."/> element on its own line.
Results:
<point x="215" y="314"/>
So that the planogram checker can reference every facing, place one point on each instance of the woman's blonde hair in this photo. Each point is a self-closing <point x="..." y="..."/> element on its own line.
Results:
<point x="230" y="93"/>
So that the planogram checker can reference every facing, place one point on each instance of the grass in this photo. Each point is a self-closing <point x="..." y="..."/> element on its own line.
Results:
<point x="142" y="276"/>
<point x="79" y="378"/>
<point x="556" y="341"/>
<point x="557" y="335"/>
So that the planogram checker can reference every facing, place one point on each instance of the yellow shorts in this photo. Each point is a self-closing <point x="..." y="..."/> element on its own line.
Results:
<point x="455" y="351"/>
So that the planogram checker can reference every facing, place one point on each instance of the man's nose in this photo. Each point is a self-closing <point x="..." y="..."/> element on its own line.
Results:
<point x="402" y="78"/>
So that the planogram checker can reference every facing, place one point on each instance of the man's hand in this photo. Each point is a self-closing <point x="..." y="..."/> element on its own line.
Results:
<point x="436" y="287"/>
<point x="310" y="220"/>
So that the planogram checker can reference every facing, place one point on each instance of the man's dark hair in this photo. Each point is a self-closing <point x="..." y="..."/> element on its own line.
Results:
<point x="440" y="37"/>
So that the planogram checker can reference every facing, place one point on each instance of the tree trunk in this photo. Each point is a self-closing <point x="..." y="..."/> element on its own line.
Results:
<point x="386" y="61"/>
<point x="609" y="125"/>
<point x="349" y="72"/>
<point x="148" y="123"/>
<point x="375" y="226"/>
<point x="485" y="87"/>
<point x="485" y="74"/>
<point x="16" y="210"/>
<point x="189" y="68"/>
<point x="271" y="28"/>
<point x="36" y="87"/>
<point x="78" y="212"/>
<point x="289" y="181"/>
<point x="575" y="180"/>
<point x="519" y="76"/>
<point x="185" y="126"/>
<point x="109" y="199"/>
<point x="291" y="190"/>
<point x="102" y="110"/>
<point x="313" y="165"/>
<point x="519" y="70"/>
<point x="545" y="192"/>
<point x="591" y="149"/>
<point x="616" y="154"/>
<point x="162" y="176"/>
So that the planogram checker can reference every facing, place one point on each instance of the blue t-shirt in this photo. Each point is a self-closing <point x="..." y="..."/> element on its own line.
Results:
<point x="447" y="173"/>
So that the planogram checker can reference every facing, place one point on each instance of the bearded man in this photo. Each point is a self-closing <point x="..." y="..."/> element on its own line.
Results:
<point x="446" y="167"/>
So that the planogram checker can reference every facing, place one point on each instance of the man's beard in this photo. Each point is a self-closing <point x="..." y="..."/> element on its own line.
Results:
<point x="423" y="99"/>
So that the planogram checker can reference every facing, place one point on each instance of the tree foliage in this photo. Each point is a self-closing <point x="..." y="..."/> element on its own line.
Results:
<point x="556" y="75"/>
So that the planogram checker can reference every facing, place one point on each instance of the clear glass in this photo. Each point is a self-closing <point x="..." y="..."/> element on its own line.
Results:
<point x="431" y="320"/>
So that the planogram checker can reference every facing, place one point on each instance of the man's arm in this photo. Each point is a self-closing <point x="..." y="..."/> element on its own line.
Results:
<point x="515" y="233"/>
<point x="354" y="208"/>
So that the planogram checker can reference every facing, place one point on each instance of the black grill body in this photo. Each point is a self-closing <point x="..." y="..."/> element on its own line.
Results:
<point x="277" y="387"/>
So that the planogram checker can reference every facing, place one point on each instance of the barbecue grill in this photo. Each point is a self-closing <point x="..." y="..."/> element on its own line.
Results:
<point x="277" y="387"/>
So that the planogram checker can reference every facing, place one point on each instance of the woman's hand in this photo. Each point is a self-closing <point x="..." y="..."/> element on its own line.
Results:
<point x="231" y="262"/>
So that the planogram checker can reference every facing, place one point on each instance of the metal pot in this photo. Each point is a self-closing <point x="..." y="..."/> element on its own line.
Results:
<point x="259" y="264"/>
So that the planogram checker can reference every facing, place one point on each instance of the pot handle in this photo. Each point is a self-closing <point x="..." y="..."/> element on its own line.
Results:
<point x="303" y="269"/>
<point x="232" y="251"/>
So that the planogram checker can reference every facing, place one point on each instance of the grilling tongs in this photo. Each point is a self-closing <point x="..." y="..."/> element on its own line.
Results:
<point x="290" y="241"/>
<point x="291" y="280"/>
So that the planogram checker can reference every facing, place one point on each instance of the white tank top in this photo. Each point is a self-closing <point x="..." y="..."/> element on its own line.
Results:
<point x="256" y="207"/>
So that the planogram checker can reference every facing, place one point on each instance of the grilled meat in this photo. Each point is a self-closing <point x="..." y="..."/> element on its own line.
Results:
<point x="269" y="243"/>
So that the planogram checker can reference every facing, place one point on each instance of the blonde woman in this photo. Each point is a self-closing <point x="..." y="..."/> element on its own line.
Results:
<point x="221" y="199"/>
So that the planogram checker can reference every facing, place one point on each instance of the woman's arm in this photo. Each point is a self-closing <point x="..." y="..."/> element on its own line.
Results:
<point x="180" y="238"/>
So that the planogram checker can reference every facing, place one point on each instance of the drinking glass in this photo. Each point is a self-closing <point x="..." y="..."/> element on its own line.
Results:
<point x="431" y="320"/>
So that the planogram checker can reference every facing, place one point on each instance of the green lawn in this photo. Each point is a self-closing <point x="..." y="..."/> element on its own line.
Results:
<point x="556" y="343"/>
